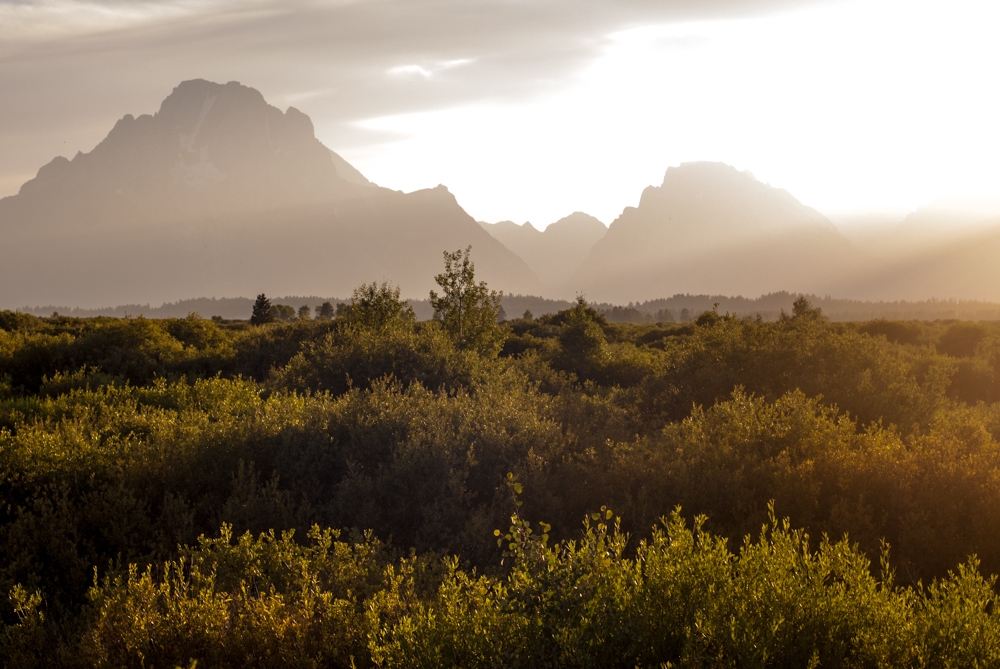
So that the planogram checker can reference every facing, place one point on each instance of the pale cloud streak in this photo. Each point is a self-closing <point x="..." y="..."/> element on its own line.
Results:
<point x="429" y="70"/>
<point x="26" y="22"/>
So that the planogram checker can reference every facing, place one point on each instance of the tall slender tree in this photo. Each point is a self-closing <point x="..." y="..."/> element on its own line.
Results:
<point x="468" y="310"/>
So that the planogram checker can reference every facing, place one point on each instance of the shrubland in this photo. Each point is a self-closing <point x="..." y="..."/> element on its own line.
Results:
<point x="368" y="490"/>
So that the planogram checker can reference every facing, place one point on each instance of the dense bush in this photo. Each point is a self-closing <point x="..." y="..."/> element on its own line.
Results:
<point x="124" y="443"/>
<point x="679" y="598"/>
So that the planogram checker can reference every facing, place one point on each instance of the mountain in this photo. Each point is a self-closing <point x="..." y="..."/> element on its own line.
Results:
<point x="557" y="252"/>
<point x="709" y="228"/>
<point x="219" y="193"/>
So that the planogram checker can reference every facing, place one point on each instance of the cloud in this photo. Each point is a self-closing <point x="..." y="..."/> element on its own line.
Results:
<point x="430" y="70"/>
<point x="60" y="50"/>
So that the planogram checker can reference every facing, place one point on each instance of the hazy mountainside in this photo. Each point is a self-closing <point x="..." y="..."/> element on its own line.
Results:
<point x="946" y="219"/>
<point x="947" y="249"/>
<point x="873" y="233"/>
<point x="710" y="228"/>
<point x="557" y="252"/>
<point x="959" y="265"/>
<point x="219" y="193"/>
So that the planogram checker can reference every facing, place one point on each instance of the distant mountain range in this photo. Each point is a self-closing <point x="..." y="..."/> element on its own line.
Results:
<point x="220" y="194"/>
<point x="709" y="228"/>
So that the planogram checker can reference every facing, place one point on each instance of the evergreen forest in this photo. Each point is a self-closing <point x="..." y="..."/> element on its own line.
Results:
<point x="356" y="488"/>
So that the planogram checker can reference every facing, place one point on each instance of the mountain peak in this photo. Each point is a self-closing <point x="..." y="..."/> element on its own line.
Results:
<point x="706" y="168"/>
<point x="707" y="175"/>
<point x="711" y="225"/>
<point x="724" y="200"/>
<point x="188" y="97"/>
<point x="210" y="150"/>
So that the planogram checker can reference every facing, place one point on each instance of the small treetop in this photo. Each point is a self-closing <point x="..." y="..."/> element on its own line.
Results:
<point x="803" y="309"/>
<point x="324" y="312"/>
<point x="378" y="305"/>
<point x="283" y="312"/>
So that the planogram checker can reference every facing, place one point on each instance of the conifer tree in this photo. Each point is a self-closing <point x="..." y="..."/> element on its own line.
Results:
<point x="262" y="312"/>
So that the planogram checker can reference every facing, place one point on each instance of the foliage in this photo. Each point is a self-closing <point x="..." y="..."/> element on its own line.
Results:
<point x="802" y="308"/>
<point x="283" y="312"/>
<point x="375" y="338"/>
<point x="263" y="602"/>
<point x="378" y="307"/>
<point x="684" y="599"/>
<point x="960" y="340"/>
<point x="325" y="311"/>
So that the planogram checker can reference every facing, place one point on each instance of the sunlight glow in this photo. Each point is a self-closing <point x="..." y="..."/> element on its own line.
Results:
<point x="852" y="106"/>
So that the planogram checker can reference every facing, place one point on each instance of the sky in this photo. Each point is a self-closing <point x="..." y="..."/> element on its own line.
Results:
<point x="533" y="109"/>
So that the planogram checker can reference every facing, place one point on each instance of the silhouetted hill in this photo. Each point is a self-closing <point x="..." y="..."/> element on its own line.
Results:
<point x="555" y="253"/>
<point x="710" y="228"/>
<point x="221" y="193"/>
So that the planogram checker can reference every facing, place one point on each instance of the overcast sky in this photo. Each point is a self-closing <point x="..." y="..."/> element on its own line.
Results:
<point x="531" y="109"/>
